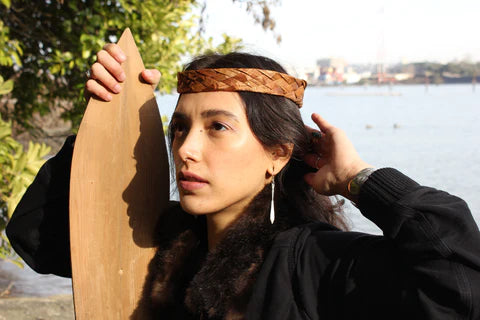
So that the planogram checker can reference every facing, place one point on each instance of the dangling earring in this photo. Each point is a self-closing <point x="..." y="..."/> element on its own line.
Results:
<point x="272" y="207"/>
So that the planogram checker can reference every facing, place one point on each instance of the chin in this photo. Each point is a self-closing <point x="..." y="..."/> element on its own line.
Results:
<point x="192" y="208"/>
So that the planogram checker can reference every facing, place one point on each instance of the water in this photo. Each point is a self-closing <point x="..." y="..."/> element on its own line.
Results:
<point x="430" y="135"/>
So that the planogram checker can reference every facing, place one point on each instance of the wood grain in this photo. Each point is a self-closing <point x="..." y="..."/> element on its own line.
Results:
<point x="119" y="187"/>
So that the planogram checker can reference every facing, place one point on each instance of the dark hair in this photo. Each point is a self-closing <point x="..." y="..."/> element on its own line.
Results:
<point x="276" y="120"/>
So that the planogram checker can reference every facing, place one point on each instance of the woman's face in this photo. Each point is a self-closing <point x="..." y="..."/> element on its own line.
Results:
<point x="220" y="164"/>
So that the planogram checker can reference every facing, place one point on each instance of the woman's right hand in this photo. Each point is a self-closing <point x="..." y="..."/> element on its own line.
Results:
<point x="336" y="160"/>
<point x="107" y="73"/>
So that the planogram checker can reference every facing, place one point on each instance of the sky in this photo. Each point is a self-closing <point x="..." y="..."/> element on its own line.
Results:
<point x="359" y="31"/>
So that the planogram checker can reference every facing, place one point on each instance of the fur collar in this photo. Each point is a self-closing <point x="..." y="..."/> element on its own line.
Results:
<point x="191" y="283"/>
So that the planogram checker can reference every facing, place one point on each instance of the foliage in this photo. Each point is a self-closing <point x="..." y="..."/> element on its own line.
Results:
<point x="59" y="41"/>
<point x="10" y="50"/>
<point x="51" y="43"/>
<point x="165" y="123"/>
<point x="5" y="86"/>
<point x="462" y="68"/>
<point x="454" y="71"/>
<point x="229" y="44"/>
<point x="17" y="171"/>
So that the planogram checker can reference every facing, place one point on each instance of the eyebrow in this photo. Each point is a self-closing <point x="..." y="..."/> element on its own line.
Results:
<point x="207" y="114"/>
<point x="179" y="115"/>
<point x="215" y="112"/>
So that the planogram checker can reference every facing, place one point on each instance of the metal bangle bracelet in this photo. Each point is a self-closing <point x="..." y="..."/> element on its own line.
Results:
<point x="356" y="183"/>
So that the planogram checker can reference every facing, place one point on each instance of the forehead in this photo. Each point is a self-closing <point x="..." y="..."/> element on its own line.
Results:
<point x="195" y="103"/>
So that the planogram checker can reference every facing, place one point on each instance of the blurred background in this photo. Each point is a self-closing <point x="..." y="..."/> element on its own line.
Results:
<point x="400" y="77"/>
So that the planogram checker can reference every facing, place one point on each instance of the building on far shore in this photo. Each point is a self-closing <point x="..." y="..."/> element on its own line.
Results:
<point x="336" y="71"/>
<point x="331" y="71"/>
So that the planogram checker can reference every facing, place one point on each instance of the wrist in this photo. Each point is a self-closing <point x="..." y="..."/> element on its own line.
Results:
<point x="356" y="182"/>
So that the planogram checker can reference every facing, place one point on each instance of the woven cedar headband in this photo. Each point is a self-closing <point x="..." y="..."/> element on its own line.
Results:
<point x="242" y="79"/>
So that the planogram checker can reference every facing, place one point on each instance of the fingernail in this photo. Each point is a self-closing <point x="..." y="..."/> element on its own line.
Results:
<point x="316" y="135"/>
<point x="117" y="88"/>
<point x="122" y="76"/>
<point x="148" y="73"/>
<point x="108" y="97"/>
<point x="122" y="57"/>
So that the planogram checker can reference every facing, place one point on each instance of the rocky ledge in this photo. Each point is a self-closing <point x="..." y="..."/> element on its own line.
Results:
<point x="37" y="308"/>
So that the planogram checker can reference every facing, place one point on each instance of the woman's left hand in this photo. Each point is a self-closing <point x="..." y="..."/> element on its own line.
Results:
<point x="335" y="158"/>
<point x="107" y="73"/>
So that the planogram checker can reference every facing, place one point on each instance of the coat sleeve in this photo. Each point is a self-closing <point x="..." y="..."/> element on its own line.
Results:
<point x="425" y="266"/>
<point x="39" y="228"/>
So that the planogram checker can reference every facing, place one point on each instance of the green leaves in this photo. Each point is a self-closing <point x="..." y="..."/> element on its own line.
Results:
<point x="165" y="123"/>
<point x="5" y="86"/>
<point x="6" y="3"/>
<point x="47" y="46"/>
<point x="10" y="50"/>
<point x="18" y="167"/>
<point x="17" y="171"/>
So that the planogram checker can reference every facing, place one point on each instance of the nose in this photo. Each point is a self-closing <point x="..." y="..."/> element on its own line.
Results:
<point x="190" y="147"/>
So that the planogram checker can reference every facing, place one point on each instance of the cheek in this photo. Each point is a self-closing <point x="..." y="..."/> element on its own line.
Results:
<point x="241" y="161"/>
<point x="176" y="158"/>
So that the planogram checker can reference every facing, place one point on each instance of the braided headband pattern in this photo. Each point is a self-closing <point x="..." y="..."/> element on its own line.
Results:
<point x="242" y="79"/>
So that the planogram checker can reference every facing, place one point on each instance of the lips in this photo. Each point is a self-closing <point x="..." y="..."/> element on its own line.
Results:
<point x="189" y="181"/>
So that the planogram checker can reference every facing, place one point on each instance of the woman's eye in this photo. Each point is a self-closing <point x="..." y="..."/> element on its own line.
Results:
<point x="178" y="128"/>
<point x="218" y="126"/>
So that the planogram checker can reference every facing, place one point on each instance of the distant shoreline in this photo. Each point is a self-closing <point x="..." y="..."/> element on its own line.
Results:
<point x="388" y="84"/>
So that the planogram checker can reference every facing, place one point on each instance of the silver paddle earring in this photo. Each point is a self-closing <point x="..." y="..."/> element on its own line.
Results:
<point x="272" y="207"/>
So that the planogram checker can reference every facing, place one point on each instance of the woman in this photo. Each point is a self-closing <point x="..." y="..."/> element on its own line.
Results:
<point x="220" y="255"/>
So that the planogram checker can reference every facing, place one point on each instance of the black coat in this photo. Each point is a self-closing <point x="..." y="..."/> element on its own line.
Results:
<point x="426" y="266"/>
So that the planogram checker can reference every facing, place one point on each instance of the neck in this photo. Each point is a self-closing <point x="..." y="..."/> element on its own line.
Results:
<point x="217" y="223"/>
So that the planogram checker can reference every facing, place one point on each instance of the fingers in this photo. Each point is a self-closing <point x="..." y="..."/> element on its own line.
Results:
<point x="95" y="88"/>
<point x="111" y="58"/>
<point x="108" y="70"/>
<point x="151" y="76"/>
<point x="321" y="123"/>
<point x="111" y="65"/>
<point x="102" y="75"/>
<point x="115" y="51"/>
<point x="315" y="161"/>
<point x="317" y="139"/>
<point x="107" y="73"/>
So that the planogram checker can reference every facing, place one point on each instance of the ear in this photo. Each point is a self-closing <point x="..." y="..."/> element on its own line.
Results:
<point x="279" y="155"/>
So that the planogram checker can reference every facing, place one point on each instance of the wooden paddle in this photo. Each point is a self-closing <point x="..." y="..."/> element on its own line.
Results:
<point x="119" y="187"/>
